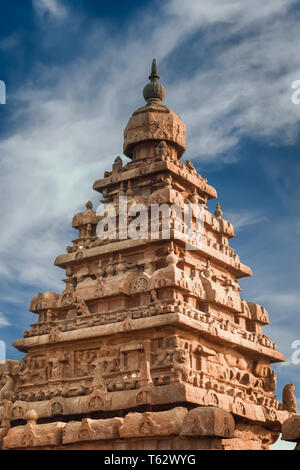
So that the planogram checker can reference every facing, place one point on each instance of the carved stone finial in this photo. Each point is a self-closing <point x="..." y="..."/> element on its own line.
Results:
<point x="89" y="205"/>
<point x="218" y="211"/>
<point x="172" y="258"/>
<point x="121" y="267"/>
<point x="154" y="92"/>
<point x="129" y="192"/>
<point x="110" y="270"/>
<point x="31" y="417"/>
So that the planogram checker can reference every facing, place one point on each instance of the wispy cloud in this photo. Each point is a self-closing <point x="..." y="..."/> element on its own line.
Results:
<point x="227" y="66"/>
<point x="281" y="300"/>
<point x="243" y="219"/>
<point x="3" y="320"/>
<point x="10" y="42"/>
<point x="71" y="122"/>
<point x="53" y="7"/>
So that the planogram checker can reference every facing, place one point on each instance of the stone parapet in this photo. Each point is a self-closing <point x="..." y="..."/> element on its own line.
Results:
<point x="106" y="402"/>
<point x="176" y="429"/>
<point x="175" y="167"/>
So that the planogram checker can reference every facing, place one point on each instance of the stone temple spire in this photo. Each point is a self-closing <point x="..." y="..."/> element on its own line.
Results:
<point x="154" y="92"/>
<point x="150" y="345"/>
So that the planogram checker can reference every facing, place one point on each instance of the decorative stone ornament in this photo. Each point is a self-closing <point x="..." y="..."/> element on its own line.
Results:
<point x="154" y="92"/>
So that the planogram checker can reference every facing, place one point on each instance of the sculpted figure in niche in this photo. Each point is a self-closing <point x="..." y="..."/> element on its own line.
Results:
<point x="232" y="367"/>
<point x="49" y="315"/>
<point x="53" y="335"/>
<point x="270" y="383"/>
<point x="268" y="376"/>
<point x="217" y="366"/>
<point x="38" y="369"/>
<point x="262" y="369"/>
<point x="162" y="150"/>
<point x="111" y="362"/>
<point x="55" y="365"/>
<point x="83" y="361"/>
<point x="127" y="324"/>
<point x="215" y="291"/>
<point x="67" y="296"/>
<point x="145" y="375"/>
<point x="153" y="295"/>
<point x="7" y="382"/>
<point x="207" y="272"/>
<point x="181" y="361"/>
<point x="55" y="368"/>
<point x="100" y="286"/>
<point x="235" y="360"/>
<point x="98" y="380"/>
<point x="230" y="283"/>
<point x="81" y="307"/>
<point x="193" y="273"/>
<point x="165" y="355"/>
<point x="24" y="372"/>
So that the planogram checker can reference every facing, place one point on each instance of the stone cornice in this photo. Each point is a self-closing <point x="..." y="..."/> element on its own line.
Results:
<point x="179" y="319"/>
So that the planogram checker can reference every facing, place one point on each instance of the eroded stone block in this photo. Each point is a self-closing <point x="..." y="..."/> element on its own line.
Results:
<point x="208" y="421"/>
<point x="291" y="429"/>
<point x="162" y="423"/>
<point x="92" y="430"/>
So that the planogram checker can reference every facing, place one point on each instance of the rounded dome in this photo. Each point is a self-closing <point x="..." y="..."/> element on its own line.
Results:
<point x="154" y="121"/>
<point x="154" y="92"/>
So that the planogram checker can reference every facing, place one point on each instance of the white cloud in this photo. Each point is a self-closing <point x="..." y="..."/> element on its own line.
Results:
<point x="280" y="300"/>
<point x="52" y="7"/>
<point x="246" y="88"/>
<point x="3" y="320"/>
<point x="243" y="219"/>
<point x="73" y="120"/>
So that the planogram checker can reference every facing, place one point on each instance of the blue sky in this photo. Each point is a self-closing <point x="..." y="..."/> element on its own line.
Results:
<point x="75" y="71"/>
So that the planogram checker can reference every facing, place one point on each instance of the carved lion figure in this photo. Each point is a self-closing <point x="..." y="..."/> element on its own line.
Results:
<point x="288" y="398"/>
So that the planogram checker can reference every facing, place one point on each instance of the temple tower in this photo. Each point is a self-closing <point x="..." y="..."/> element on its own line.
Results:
<point x="150" y="345"/>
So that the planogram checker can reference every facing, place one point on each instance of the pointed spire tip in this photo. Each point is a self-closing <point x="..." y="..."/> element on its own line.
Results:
<point x="154" y="91"/>
<point x="154" y="75"/>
